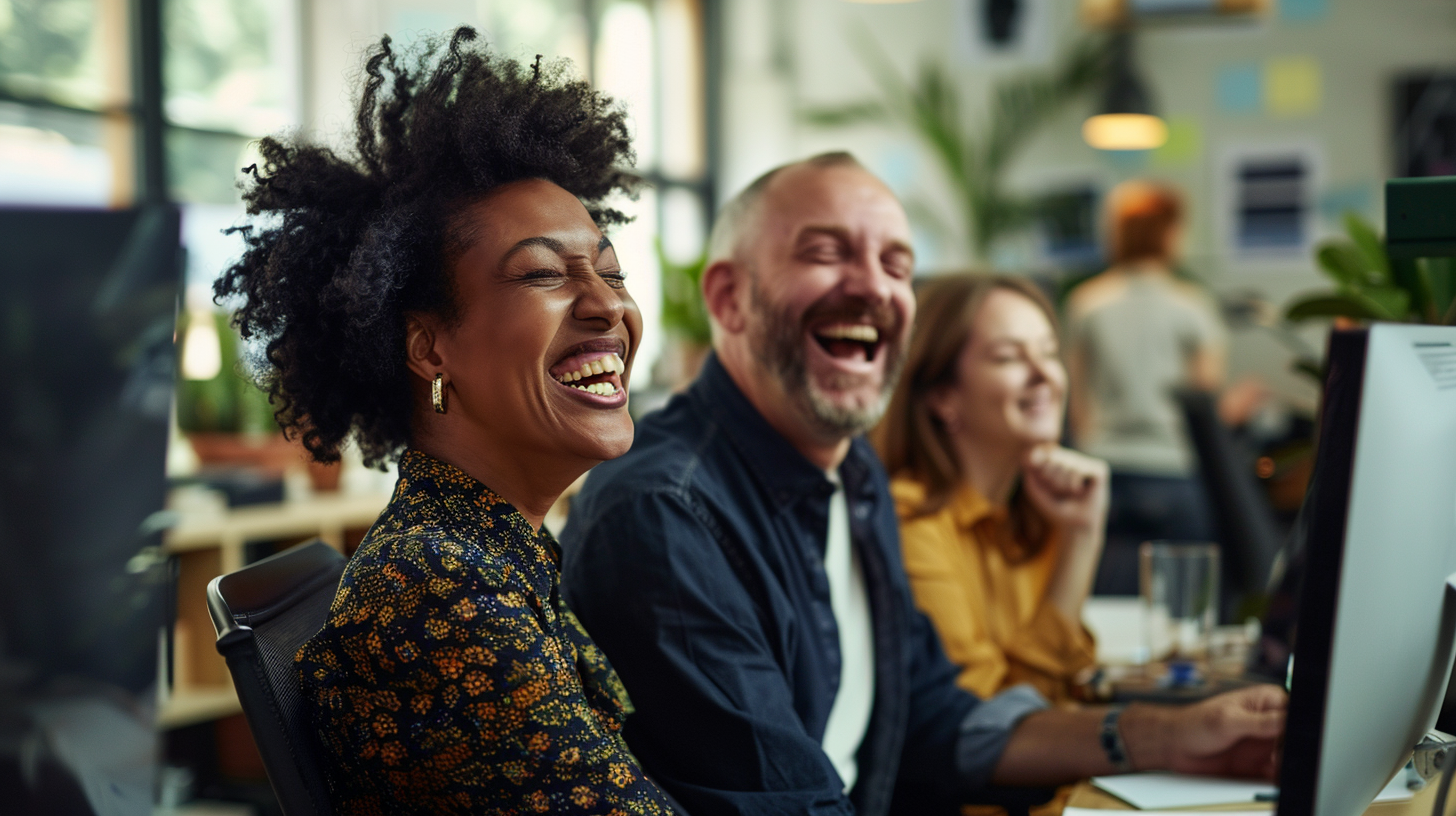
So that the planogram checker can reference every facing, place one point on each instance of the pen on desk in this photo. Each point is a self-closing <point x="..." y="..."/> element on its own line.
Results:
<point x="1267" y="796"/>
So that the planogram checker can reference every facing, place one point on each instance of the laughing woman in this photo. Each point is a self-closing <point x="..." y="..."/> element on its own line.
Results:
<point x="445" y="296"/>
<point x="1001" y="527"/>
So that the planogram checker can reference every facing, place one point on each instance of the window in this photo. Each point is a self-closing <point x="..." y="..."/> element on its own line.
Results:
<point x="649" y="55"/>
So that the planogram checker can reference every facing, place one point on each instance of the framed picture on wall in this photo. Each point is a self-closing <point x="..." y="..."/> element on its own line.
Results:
<point x="1424" y="124"/>
<point x="1267" y="202"/>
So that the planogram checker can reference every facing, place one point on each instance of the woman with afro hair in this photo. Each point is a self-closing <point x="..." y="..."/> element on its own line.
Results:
<point x="445" y="297"/>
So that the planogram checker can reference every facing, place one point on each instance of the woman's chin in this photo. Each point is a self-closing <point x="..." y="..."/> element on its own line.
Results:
<point x="603" y="443"/>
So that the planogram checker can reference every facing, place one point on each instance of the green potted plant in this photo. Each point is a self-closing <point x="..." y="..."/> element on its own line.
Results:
<point x="684" y="318"/>
<point x="974" y="157"/>
<point x="1370" y="285"/>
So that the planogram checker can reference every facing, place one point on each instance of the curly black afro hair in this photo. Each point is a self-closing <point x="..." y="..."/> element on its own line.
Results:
<point x="340" y="248"/>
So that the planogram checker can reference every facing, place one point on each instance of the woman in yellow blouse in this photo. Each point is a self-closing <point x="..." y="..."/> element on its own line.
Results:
<point x="444" y="295"/>
<point x="1001" y="527"/>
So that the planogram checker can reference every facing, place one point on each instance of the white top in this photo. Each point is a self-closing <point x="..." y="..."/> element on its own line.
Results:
<point x="849" y="717"/>
<point x="1136" y="332"/>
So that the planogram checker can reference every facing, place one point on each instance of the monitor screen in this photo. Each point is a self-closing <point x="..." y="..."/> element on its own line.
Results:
<point x="87" y="312"/>
<point x="1373" y="649"/>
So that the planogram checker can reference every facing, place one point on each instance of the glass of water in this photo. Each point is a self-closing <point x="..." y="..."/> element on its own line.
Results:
<point x="1179" y="582"/>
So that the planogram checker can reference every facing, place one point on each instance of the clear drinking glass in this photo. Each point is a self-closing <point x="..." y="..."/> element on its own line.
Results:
<point x="1179" y="582"/>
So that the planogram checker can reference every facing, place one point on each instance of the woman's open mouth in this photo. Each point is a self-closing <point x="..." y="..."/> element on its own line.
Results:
<point x="852" y="342"/>
<point x="595" y="375"/>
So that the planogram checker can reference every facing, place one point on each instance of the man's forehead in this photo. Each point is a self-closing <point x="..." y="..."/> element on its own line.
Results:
<point x="841" y="196"/>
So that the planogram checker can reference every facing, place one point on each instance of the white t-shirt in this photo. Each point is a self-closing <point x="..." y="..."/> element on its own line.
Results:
<point x="849" y="717"/>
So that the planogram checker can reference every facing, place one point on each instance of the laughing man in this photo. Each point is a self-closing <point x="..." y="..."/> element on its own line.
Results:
<point x="741" y="568"/>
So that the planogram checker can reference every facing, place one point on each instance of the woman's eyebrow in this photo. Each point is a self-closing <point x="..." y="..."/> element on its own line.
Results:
<point x="537" y="241"/>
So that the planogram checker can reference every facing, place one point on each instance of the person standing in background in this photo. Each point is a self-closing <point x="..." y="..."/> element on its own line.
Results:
<point x="1135" y="334"/>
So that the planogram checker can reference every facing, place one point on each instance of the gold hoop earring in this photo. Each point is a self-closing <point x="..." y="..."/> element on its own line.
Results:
<point x="437" y="393"/>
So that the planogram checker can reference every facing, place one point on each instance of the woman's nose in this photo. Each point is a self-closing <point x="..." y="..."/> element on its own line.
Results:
<point x="599" y="302"/>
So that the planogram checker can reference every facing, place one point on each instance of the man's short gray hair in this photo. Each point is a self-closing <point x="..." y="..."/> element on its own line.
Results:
<point x="734" y="218"/>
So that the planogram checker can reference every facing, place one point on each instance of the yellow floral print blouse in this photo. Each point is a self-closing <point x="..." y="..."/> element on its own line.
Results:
<point x="451" y="678"/>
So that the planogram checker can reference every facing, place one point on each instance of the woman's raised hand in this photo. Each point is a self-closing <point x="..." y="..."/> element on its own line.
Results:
<point x="1069" y="488"/>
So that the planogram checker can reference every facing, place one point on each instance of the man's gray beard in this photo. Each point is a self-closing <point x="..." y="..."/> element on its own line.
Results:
<point x="776" y="338"/>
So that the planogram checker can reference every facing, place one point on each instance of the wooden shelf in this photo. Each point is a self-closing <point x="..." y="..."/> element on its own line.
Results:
<point x="195" y="705"/>
<point x="326" y="515"/>
<point x="208" y="543"/>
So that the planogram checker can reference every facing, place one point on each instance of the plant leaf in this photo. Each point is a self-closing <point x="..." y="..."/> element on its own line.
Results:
<point x="1343" y="262"/>
<point x="1438" y="276"/>
<point x="858" y="113"/>
<point x="1371" y="247"/>
<point x="1306" y="365"/>
<point x="1328" y="305"/>
<point x="1385" y="302"/>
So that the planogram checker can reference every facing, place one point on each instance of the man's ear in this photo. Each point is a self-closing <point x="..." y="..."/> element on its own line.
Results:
<point x="723" y="289"/>
<point x="421" y="355"/>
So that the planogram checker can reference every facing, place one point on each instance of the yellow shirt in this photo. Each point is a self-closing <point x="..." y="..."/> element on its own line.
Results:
<point x="990" y="608"/>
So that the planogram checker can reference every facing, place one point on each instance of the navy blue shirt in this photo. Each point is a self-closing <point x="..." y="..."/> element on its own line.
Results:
<point x="696" y="563"/>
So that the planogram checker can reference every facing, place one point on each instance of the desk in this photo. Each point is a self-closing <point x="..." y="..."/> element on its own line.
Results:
<point x="1085" y="795"/>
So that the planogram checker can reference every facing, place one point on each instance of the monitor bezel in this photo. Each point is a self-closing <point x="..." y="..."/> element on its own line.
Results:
<point x="1329" y="506"/>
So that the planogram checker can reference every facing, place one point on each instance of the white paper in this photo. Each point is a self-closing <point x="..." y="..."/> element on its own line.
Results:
<point x="1164" y="791"/>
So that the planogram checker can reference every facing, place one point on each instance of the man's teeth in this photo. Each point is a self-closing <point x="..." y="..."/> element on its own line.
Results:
<point x="603" y="389"/>
<point x="611" y="364"/>
<point x="851" y="331"/>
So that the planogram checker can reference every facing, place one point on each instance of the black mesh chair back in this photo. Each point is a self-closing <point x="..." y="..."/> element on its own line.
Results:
<point x="263" y="613"/>
<point x="1248" y="535"/>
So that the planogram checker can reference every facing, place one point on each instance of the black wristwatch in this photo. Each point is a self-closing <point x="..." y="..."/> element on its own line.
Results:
<point x="1112" y="741"/>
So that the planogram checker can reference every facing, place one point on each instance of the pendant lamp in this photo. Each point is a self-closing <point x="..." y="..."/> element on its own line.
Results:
<point x="1125" y="120"/>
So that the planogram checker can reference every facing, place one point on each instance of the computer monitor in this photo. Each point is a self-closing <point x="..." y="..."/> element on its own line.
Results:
<point x="1373" y="646"/>
<point x="88" y="303"/>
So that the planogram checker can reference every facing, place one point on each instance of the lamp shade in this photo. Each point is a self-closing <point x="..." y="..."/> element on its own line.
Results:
<point x="1125" y="120"/>
<point x="1124" y="131"/>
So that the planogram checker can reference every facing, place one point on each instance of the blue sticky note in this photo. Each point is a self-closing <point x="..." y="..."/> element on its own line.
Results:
<point x="1303" y="11"/>
<point x="1337" y="200"/>
<point x="1240" y="88"/>
<point x="1126" y="160"/>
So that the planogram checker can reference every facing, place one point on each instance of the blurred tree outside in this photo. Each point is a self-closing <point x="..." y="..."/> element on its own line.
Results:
<point x="49" y="51"/>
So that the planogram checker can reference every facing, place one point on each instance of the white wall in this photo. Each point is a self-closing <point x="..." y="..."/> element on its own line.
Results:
<point x="784" y="54"/>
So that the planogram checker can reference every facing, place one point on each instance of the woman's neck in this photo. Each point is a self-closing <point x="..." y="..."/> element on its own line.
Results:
<point x="991" y="470"/>
<point x="531" y="485"/>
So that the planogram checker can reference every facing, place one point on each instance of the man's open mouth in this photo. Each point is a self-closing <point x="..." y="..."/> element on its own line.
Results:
<point x="849" y="341"/>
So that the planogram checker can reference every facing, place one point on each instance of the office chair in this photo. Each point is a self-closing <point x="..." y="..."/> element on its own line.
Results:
<point x="1247" y="533"/>
<point x="263" y="613"/>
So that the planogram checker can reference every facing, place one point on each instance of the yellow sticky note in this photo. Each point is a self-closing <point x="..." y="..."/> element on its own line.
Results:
<point x="1184" y="145"/>
<point x="1292" y="86"/>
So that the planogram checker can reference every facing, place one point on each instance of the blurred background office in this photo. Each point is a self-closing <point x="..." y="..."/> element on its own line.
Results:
<point x="1002" y="125"/>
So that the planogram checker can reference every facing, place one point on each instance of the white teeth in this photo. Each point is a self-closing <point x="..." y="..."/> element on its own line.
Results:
<point x="850" y="331"/>
<point x="602" y="389"/>
<point x="611" y="364"/>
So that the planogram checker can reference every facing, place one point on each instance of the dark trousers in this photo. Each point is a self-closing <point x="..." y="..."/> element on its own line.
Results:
<point x="1147" y="508"/>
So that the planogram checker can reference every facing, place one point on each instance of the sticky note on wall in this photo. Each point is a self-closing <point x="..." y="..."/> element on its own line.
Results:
<point x="1292" y="86"/>
<point x="1184" y="146"/>
<point x="1303" y="11"/>
<point x="1240" y="88"/>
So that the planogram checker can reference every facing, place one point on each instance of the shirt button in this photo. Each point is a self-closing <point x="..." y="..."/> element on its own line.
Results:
<point x="862" y="511"/>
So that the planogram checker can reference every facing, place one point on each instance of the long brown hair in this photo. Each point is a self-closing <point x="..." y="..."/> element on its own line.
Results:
<point x="911" y="439"/>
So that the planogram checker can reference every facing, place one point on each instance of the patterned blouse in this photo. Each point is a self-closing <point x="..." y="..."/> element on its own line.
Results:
<point x="451" y="678"/>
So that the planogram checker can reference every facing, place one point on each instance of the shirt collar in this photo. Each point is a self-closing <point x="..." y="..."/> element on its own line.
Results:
<point x="968" y="507"/>
<point x="779" y="466"/>
<point x="464" y="498"/>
